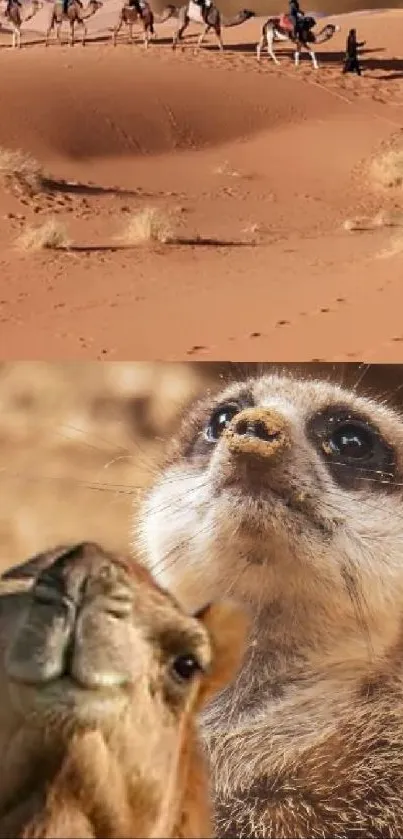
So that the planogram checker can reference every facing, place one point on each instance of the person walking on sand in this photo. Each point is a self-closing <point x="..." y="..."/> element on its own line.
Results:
<point x="351" y="63"/>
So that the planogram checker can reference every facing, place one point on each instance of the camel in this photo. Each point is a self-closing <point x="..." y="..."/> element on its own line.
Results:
<point x="101" y="677"/>
<point x="281" y="29"/>
<point x="76" y="14"/>
<point x="209" y="16"/>
<point x="130" y="15"/>
<point x="13" y="17"/>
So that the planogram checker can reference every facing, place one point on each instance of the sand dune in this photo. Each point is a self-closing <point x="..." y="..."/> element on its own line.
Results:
<point x="257" y="168"/>
<point x="124" y="107"/>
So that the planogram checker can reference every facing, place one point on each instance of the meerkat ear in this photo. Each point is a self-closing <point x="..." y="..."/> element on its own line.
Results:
<point x="228" y="627"/>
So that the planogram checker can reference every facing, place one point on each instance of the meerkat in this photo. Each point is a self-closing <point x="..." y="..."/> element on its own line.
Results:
<point x="101" y="676"/>
<point x="287" y="494"/>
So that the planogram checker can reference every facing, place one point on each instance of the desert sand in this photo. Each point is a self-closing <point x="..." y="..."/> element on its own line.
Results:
<point x="263" y="172"/>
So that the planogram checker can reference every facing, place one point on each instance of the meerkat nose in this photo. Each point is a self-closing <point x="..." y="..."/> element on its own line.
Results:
<point x="258" y="431"/>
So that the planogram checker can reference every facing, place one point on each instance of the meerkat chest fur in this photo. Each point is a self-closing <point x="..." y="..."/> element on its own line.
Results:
<point x="287" y="495"/>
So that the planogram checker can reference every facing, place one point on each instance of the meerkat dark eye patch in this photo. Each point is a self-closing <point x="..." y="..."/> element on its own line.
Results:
<point x="204" y="426"/>
<point x="353" y="448"/>
<point x="219" y="420"/>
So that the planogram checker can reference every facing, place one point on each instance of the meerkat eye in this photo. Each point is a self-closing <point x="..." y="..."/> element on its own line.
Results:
<point x="352" y="440"/>
<point x="185" y="666"/>
<point x="354" y="449"/>
<point x="219" y="420"/>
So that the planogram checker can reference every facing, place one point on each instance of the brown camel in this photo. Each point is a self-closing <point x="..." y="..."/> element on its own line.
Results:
<point x="101" y="675"/>
<point x="75" y="14"/>
<point x="129" y="15"/>
<point x="13" y="17"/>
<point x="209" y="16"/>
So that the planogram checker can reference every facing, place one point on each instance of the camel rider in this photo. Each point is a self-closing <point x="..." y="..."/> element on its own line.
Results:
<point x="67" y="3"/>
<point x="11" y="3"/>
<point x="204" y="4"/>
<point x="296" y="15"/>
<point x="138" y="5"/>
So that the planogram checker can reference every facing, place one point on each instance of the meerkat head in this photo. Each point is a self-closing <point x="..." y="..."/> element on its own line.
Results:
<point x="287" y="492"/>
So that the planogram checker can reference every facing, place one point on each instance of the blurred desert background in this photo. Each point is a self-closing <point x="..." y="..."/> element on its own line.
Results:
<point x="79" y="443"/>
<point x="185" y="207"/>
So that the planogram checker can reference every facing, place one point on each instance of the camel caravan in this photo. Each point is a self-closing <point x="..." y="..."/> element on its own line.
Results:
<point x="102" y="677"/>
<point x="294" y="27"/>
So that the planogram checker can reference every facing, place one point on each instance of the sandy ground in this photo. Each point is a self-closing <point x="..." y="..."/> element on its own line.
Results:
<point x="258" y="167"/>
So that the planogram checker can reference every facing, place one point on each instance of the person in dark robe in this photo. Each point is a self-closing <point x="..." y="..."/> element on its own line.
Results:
<point x="351" y="62"/>
<point x="66" y="4"/>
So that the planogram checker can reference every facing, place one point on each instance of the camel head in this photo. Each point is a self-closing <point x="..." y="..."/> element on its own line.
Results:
<point x="93" y="7"/>
<point x="325" y="34"/>
<point x="102" y="675"/>
<point x="240" y="17"/>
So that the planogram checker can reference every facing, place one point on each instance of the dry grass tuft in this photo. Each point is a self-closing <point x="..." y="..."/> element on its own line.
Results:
<point x="389" y="218"/>
<point x="227" y="170"/>
<point x="21" y="172"/>
<point x="358" y="224"/>
<point x="52" y="235"/>
<point x="387" y="170"/>
<point x="147" y="227"/>
<point x="395" y="249"/>
<point x="255" y="228"/>
<point x="384" y="218"/>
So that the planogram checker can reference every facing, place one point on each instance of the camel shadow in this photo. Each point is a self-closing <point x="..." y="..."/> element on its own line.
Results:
<point x="392" y="67"/>
<point x="123" y="40"/>
<point x="287" y="51"/>
<point x="243" y="48"/>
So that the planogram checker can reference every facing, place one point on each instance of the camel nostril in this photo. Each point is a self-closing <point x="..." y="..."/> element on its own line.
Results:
<point x="257" y="429"/>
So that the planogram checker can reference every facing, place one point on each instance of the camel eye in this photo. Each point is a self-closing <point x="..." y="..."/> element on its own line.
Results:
<point x="185" y="667"/>
<point x="219" y="421"/>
